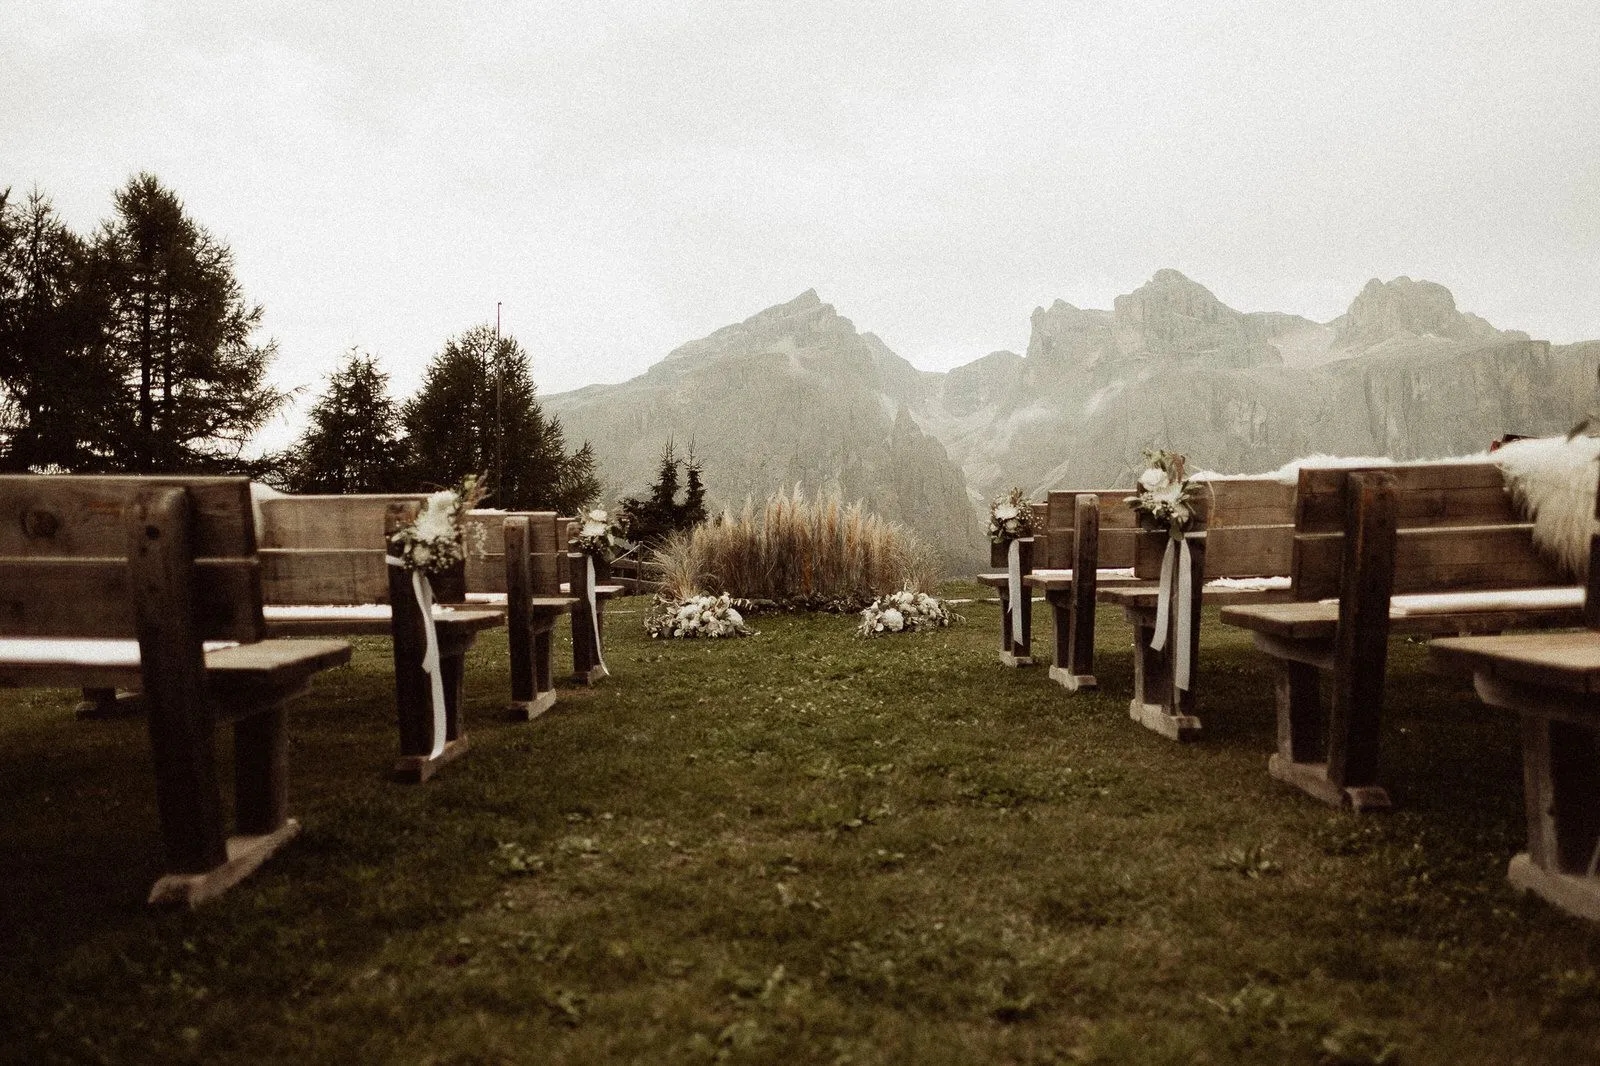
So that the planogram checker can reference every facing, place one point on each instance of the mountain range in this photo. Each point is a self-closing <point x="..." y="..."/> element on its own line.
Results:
<point x="796" y="395"/>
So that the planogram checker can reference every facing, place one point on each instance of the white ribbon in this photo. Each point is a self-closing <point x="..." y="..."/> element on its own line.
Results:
<point x="1176" y="557"/>
<point x="430" y="655"/>
<point x="594" y="618"/>
<point x="1014" y="580"/>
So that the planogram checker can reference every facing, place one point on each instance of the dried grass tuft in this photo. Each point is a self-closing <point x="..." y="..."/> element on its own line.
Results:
<point x="796" y="550"/>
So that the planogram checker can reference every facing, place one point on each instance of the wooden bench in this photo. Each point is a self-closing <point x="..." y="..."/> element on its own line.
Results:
<point x="1239" y="553"/>
<point x="123" y="581"/>
<point x="1553" y="681"/>
<point x="1089" y="533"/>
<point x="1424" y="549"/>
<point x="326" y="573"/>
<point x="1049" y="561"/>
<point x="588" y="630"/>
<point x="517" y="572"/>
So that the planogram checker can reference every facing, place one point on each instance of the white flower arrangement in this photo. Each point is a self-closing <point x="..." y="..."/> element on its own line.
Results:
<point x="697" y="616"/>
<point x="1010" y="518"/>
<point x="433" y="542"/>
<point x="601" y="535"/>
<point x="904" y="612"/>
<point x="1165" y="497"/>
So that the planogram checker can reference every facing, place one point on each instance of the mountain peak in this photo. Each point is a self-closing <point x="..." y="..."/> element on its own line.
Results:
<point x="1382" y="310"/>
<point x="798" y="322"/>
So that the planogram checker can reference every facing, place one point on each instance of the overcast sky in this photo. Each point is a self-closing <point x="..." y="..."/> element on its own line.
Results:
<point x="628" y="176"/>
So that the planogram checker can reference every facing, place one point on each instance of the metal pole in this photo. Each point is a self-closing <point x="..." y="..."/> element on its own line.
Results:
<point x="499" y="423"/>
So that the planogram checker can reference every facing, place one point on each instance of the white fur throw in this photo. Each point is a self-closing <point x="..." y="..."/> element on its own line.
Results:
<point x="1553" y="481"/>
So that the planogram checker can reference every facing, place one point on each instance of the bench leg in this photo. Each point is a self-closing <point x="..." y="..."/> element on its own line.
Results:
<point x="1157" y="703"/>
<point x="1561" y="786"/>
<point x="261" y="772"/>
<point x="1073" y="662"/>
<point x="414" y="707"/>
<point x="534" y="693"/>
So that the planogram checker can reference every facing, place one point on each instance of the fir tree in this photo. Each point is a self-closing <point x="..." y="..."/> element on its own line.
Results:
<point x="652" y="518"/>
<point x="178" y="331"/>
<point x="352" y="443"/>
<point x="58" y="387"/>
<point x="477" y="412"/>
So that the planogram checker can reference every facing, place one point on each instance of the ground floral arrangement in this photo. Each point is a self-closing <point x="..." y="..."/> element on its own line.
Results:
<point x="1165" y="497"/>
<point x="904" y="612"/>
<point x="1010" y="518"/>
<point x="698" y="616"/>
<point x="434" y="542"/>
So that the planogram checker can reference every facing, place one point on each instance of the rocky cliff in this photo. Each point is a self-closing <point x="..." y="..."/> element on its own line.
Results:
<point x="793" y="395"/>
<point x="1403" y="372"/>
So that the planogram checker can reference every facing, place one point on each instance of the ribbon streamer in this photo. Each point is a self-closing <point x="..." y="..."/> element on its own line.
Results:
<point x="1176" y="557"/>
<point x="423" y="590"/>
<point x="1014" y="584"/>
<point x="594" y="618"/>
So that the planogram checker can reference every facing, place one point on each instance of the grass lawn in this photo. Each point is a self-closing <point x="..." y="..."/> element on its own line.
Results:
<point x="801" y="847"/>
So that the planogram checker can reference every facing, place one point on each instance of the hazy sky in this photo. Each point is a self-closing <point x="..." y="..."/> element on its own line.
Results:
<point x="628" y="176"/>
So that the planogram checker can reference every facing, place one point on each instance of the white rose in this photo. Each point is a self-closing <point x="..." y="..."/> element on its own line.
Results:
<point x="1005" y="512"/>
<point x="421" y="555"/>
<point x="1152" y="479"/>
<point x="894" y="620"/>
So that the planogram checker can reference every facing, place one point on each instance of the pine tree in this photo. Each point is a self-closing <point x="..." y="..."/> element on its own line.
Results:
<point x="652" y="518"/>
<point x="352" y="443"/>
<point x="179" y="332"/>
<point x="478" y="412"/>
<point x="580" y="484"/>
<point x="57" y="384"/>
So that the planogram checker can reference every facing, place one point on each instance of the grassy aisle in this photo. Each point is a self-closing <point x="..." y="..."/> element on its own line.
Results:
<point x="801" y="848"/>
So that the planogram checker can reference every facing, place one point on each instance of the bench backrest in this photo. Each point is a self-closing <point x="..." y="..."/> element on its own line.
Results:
<point x="321" y="550"/>
<point x="486" y="559"/>
<point x="1117" y="529"/>
<point x="1249" y="528"/>
<point x="1457" y="529"/>
<point x="70" y="546"/>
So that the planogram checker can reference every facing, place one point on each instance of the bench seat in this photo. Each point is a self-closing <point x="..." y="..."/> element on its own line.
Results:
<point x="27" y="662"/>
<point x="373" y="619"/>
<point x="1567" y="661"/>
<point x="1432" y="613"/>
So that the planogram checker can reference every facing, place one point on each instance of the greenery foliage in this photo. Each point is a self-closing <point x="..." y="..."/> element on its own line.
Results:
<point x="797" y="551"/>
<point x="477" y="411"/>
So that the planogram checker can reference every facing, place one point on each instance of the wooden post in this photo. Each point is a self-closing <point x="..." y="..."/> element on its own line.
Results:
<point x="172" y="663"/>
<point x="1085" y="563"/>
<point x="1361" y="648"/>
<point x="519" y="624"/>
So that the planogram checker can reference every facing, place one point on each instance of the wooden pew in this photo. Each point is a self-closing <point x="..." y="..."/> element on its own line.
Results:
<point x="1553" y="681"/>
<point x="1088" y="533"/>
<point x="1423" y="549"/>
<point x="588" y="632"/>
<point x="325" y="572"/>
<point x="122" y="581"/>
<point x="516" y="572"/>
<point x="1243" y="536"/>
